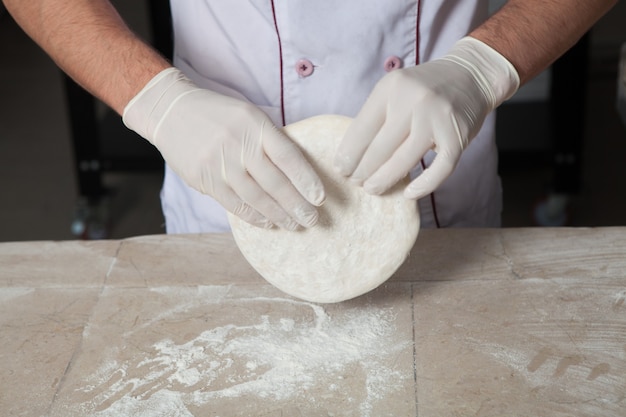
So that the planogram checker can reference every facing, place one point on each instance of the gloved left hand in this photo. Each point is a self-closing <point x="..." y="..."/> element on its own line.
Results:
<point x="438" y="105"/>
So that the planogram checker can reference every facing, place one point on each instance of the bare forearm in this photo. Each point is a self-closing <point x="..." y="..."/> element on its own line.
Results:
<point x="89" y="41"/>
<point x="532" y="34"/>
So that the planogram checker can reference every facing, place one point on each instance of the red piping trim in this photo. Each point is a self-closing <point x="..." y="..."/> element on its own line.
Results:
<point x="282" y="79"/>
<point x="433" y="203"/>
<point x="417" y="33"/>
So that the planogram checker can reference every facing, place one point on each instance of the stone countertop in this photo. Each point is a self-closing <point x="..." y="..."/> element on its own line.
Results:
<point x="478" y="322"/>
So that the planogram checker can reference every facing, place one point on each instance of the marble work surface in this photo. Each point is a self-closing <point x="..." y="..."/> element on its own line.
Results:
<point x="502" y="322"/>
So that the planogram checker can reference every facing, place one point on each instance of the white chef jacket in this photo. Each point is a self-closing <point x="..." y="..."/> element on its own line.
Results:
<point x="296" y="59"/>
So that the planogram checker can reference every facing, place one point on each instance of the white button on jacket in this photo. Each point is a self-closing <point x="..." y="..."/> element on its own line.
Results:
<point x="281" y="54"/>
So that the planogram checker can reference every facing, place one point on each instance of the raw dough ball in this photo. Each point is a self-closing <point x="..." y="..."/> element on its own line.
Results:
<point x="358" y="243"/>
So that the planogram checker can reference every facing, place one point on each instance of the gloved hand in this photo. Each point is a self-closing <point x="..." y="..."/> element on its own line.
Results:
<point x="228" y="149"/>
<point x="438" y="105"/>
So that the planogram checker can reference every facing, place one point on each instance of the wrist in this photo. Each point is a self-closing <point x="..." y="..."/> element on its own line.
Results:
<point x="147" y="108"/>
<point x="495" y="75"/>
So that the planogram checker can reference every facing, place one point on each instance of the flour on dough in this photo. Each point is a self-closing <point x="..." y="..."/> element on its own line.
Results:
<point x="360" y="239"/>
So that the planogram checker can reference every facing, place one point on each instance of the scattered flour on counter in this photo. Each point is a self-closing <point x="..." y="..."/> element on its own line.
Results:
<point x="270" y="358"/>
<point x="10" y="293"/>
<point x="163" y="403"/>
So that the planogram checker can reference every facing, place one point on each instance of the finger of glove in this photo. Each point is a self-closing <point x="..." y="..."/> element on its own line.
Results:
<point x="251" y="192"/>
<point x="432" y="177"/>
<point x="359" y="135"/>
<point x="405" y="158"/>
<point x="288" y="159"/>
<point x="235" y="205"/>
<point x="282" y="192"/>
<point x="449" y="146"/>
<point x="389" y="138"/>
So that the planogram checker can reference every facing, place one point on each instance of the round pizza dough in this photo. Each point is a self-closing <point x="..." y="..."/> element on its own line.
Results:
<point x="360" y="239"/>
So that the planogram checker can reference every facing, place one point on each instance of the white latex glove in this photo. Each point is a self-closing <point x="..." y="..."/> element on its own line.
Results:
<point x="438" y="105"/>
<point x="228" y="149"/>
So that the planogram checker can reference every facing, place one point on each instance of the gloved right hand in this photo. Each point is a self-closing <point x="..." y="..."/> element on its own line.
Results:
<point x="228" y="149"/>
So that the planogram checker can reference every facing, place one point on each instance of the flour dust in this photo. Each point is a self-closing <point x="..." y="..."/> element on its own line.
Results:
<point x="274" y="360"/>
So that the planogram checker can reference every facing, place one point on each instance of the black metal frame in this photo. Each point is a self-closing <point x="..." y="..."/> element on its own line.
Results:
<point x="568" y="100"/>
